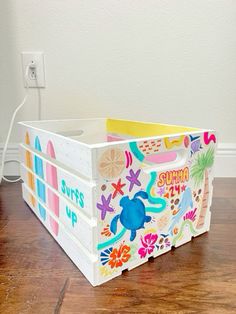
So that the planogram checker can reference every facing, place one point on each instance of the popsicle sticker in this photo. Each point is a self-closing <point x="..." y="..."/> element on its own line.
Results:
<point x="51" y="179"/>
<point x="38" y="168"/>
<point x="29" y="164"/>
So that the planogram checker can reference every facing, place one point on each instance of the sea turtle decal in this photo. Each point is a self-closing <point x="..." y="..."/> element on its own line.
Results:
<point x="133" y="214"/>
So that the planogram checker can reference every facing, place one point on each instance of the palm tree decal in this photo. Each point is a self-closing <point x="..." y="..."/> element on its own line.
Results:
<point x="199" y="173"/>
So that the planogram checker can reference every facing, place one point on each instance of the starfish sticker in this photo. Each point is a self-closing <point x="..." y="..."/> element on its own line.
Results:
<point x="133" y="179"/>
<point x="118" y="188"/>
<point x="105" y="206"/>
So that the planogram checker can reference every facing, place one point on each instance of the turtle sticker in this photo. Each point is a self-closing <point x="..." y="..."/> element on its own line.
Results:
<point x="133" y="214"/>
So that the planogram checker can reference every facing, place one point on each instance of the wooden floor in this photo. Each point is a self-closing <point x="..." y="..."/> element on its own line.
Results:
<point x="37" y="277"/>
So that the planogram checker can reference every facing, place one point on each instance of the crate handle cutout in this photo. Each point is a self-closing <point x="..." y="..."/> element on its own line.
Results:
<point x="162" y="158"/>
<point x="160" y="161"/>
<point x="71" y="133"/>
<point x="165" y="160"/>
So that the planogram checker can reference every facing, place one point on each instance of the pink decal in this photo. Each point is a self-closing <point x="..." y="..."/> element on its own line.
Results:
<point x="191" y="215"/>
<point x="208" y="139"/>
<point x="148" y="244"/>
<point x="162" y="157"/>
<point x="186" y="141"/>
<point x="113" y="138"/>
<point x="129" y="159"/>
<point x="51" y="178"/>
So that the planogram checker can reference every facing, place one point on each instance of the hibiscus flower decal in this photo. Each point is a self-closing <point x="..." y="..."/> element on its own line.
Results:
<point x="116" y="257"/>
<point x="119" y="256"/>
<point x="148" y="242"/>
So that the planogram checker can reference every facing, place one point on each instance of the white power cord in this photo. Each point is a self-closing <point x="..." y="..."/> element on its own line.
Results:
<point x="3" y="162"/>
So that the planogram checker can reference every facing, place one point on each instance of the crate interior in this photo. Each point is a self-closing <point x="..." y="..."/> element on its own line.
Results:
<point x="98" y="131"/>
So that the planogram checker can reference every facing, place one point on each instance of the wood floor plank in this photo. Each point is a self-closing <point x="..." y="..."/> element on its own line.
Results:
<point x="37" y="277"/>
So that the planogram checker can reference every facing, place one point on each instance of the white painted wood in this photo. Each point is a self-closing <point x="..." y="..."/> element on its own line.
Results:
<point x="84" y="229"/>
<point x="225" y="163"/>
<point x="84" y="261"/>
<point x="115" y="228"/>
<point x="75" y="189"/>
<point x="72" y="153"/>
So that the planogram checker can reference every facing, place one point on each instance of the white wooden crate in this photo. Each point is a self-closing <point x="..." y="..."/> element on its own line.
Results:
<point x="121" y="191"/>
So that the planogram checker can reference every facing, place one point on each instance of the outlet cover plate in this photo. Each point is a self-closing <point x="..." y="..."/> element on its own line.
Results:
<point x="38" y="58"/>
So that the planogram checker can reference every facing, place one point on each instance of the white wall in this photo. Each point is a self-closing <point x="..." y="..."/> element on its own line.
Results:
<point x="170" y="61"/>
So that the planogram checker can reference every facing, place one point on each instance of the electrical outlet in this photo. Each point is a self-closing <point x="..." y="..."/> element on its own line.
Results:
<point x="36" y="75"/>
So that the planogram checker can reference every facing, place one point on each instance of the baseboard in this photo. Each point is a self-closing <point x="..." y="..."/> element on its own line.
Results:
<point x="12" y="168"/>
<point x="225" y="165"/>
